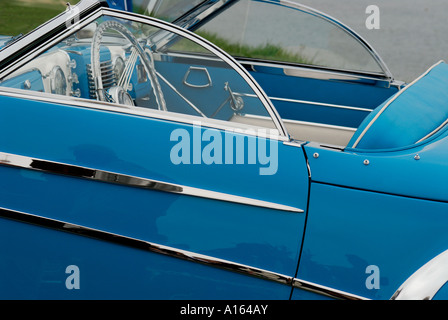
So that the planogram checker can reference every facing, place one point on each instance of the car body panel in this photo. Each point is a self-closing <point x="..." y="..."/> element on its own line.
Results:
<point x="396" y="234"/>
<point x="78" y="136"/>
<point x="112" y="271"/>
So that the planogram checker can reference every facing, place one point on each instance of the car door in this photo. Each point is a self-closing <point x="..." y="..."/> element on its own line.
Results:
<point x="161" y="190"/>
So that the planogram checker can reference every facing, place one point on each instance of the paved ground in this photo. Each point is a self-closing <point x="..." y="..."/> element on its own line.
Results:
<point x="413" y="34"/>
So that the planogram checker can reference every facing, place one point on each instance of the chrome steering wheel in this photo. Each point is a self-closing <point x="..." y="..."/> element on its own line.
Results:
<point x="119" y="92"/>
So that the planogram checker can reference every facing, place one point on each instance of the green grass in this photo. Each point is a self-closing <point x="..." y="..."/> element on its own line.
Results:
<point x="23" y="16"/>
<point x="266" y="51"/>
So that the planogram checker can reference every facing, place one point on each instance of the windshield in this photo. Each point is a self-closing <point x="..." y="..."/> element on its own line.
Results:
<point x="277" y="31"/>
<point x="144" y="66"/>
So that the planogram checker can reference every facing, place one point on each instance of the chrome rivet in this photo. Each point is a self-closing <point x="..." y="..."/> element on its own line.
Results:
<point x="366" y="162"/>
<point x="316" y="155"/>
<point x="417" y="157"/>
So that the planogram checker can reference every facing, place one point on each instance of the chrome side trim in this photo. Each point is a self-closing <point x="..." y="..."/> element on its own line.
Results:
<point x="319" y="125"/>
<point x="174" y="252"/>
<point x="444" y="123"/>
<point x="426" y="281"/>
<point x="325" y="291"/>
<point x="355" y="144"/>
<point x="24" y="162"/>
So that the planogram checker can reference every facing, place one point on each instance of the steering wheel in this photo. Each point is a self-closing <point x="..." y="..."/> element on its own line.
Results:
<point x="119" y="93"/>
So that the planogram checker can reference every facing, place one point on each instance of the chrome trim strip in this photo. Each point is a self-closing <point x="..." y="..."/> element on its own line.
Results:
<point x="64" y="169"/>
<point x="174" y="252"/>
<point x="433" y="132"/>
<point x="306" y="123"/>
<point x="325" y="291"/>
<point x="320" y="125"/>
<point x="426" y="281"/>
<point x="355" y="144"/>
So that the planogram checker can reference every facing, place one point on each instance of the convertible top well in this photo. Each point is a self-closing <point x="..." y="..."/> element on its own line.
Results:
<point x="415" y="113"/>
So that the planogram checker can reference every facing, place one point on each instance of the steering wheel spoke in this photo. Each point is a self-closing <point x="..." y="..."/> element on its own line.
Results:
<point x="136" y="52"/>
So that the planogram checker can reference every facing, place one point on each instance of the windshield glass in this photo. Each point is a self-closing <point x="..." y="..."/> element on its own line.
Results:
<point x="274" y="31"/>
<point x="143" y="66"/>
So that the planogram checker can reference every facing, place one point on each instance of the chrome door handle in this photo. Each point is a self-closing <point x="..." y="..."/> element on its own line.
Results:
<point x="200" y="70"/>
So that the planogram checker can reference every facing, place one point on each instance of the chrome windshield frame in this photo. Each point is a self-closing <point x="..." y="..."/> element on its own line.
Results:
<point x="57" y="29"/>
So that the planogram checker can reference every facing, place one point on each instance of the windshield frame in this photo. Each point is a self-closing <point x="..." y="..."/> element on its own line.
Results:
<point x="56" y="30"/>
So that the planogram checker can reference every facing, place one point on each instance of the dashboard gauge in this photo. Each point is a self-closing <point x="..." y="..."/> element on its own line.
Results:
<point x="58" y="83"/>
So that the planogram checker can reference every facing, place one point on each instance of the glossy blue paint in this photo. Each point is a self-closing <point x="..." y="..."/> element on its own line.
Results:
<point x="396" y="223"/>
<point x="259" y="237"/>
<point x="393" y="172"/>
<point x="111" y="271"/>
<point x="349" y="230"/>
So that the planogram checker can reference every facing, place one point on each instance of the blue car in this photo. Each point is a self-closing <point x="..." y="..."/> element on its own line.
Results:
<point x="204" y="149"/>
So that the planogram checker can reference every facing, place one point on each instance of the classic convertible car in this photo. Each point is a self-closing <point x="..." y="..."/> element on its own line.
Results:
<point x="139" y="160"/>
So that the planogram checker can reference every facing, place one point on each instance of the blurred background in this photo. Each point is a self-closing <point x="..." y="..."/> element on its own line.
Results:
<point x="21" y="16"/>
<point x="412" y="36"/>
